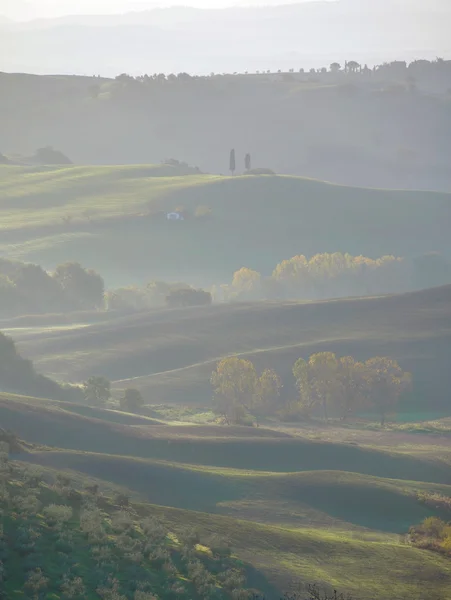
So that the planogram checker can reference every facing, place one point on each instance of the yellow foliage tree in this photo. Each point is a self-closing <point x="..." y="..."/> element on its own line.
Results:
<point x="235" y="385"/>
<point x="303" y="385"/>
<point x="351" y="386"/>
<point x="324" y="380"/>
<point x="385" y="381"/>
<point x="246" y="282"/>
<point x="268" y="392"/>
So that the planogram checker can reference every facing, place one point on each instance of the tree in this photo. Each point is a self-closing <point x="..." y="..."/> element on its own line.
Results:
<point x="323" y="374"/>
<point x="247" y="162"/>
<point x="235" y="385"/>
<point x="302" y="376"/>
<point x="97" y="391"/>
<point x="246" y="282"/>
<point x="335" y="67"/>
<point x="385" y="381"/>
<point x="351" y="386"/>
<point x="85" y="286"/>
<point x="353" y="66"/>
<point x="132" y="400"/>
<point x="268" y="391"/>
<point x="232" y="163"/>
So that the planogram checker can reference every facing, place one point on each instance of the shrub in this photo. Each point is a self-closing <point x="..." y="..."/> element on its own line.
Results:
<point x="56" y="514"/>
<point x="73" y="587"/>
<point x="121" y="521"/>
<point x="122" y="500"/>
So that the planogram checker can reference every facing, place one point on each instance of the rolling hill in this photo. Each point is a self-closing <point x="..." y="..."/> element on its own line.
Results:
<point x="170" y="354"/>
<point x="295" y="510"/>
<point x="53" y="214"/>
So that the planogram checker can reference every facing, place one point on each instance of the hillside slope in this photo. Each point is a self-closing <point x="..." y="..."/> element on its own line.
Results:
<point x="170" y="354"/>
<point x="52" y="214"/>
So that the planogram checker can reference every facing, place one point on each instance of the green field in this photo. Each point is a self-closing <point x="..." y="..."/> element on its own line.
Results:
<point x="299" y="502"/>
<point x="52" y="214"/>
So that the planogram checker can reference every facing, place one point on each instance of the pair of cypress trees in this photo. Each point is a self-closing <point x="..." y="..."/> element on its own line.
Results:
<point x="232" y="161"/>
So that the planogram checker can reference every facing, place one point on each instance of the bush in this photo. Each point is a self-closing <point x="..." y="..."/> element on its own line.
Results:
<point x="121" y="521"/>
<point x="56" y="514"/>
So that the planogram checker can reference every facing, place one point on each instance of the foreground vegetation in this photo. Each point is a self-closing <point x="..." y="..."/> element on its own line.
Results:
<point x="60" y="542"/>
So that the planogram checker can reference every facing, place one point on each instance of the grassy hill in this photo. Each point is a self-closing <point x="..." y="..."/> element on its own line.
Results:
<point x="256" y="449"/>
<point x="293" y="509"/>
<point x="170" y="354"/>
<point x="319" y="498"/>
<point x="52" y="214"/>
<point x="271" y="557"/>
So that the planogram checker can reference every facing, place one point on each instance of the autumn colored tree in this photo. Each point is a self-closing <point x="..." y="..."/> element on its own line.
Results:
<point x="303" y="384"/>
<point x="323" y="374"/>
<point x="351" y="386"/>
<point x="385" y="381"/>
<point x="246" y="282"/>
<point x="268" y="391"/>
<point x="235" y="385"/>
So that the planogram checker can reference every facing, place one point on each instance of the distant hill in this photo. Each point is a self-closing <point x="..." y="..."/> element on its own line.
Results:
<point x="56" y="214"/>
<point x="18" y="375"/>
<point x="170" y="354"/>
<point x="179" y="39"/>
<point x="386" y="128"/>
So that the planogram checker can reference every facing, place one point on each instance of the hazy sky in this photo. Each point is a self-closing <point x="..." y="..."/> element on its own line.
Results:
<point x="30" y="9"/>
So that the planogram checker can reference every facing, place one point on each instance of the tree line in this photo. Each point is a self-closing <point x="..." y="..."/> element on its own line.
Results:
<point x="329" y="275"/>
<point x="27" y="288"/>
<point x="326" y="385"/>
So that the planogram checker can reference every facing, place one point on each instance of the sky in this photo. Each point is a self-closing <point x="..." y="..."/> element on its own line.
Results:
<point x="31" y="9"/>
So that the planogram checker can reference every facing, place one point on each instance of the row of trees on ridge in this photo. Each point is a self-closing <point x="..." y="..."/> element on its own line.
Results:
<point x="328" y="275"/>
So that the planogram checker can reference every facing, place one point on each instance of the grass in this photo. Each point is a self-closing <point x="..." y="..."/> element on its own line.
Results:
<point x="117" y="544"/>
<point x="335" y="499"/>
<point x="294" y="509"/>
<point x="251" y="449"/>
<point x="106" y="202"/>
<point x="372" y="565"/>
<point x="369" y="566"/>
<point x="170" y="354"/>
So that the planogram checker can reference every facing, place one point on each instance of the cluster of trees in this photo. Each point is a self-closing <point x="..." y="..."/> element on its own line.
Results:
<point x="53" y="534"/>
<point x="333" y="275"/>
<point x="28" y="288"/>
<point x="97" y="393"/>
<point x="156" y="294"/>
<point x="238" y="390"/>
<point x="326" y="385"/>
